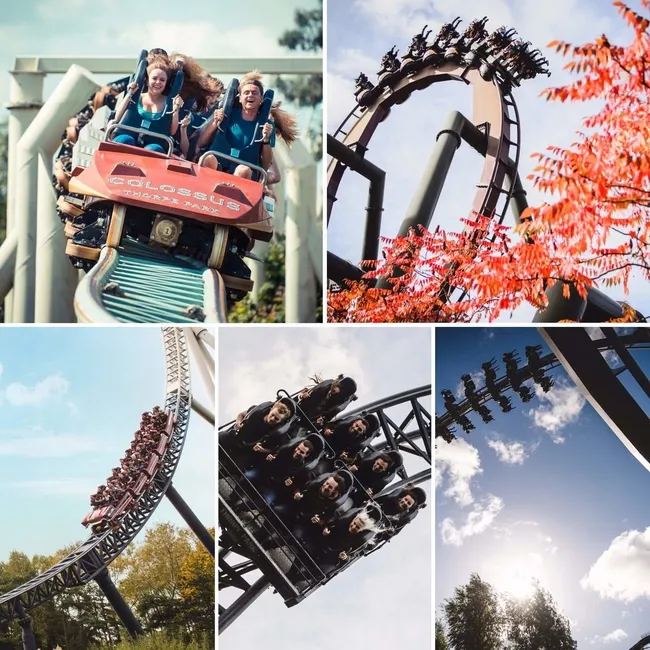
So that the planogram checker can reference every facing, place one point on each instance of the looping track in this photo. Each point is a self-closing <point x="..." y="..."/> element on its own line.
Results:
<point x="99" y="550"/>
<point x="494" y="107"/>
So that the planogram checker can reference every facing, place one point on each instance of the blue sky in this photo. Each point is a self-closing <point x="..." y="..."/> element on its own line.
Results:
<point x="254" y="363"/>
<point x="121" y="28"/>
<point x="546" y="490"/>
<point x="70" y="401"/>
<point x="361" y="31"/>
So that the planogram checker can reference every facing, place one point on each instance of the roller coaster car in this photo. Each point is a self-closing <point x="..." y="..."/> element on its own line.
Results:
<point x="127" y="192"/>
<point x="97" y="516"/>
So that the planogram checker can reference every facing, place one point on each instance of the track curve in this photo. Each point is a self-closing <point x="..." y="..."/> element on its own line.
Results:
<point x="99" y="550"/>
<point x="494" y="106"/>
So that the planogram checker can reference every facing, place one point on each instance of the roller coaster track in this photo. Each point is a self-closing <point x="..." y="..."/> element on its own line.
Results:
<point x="495" y="110"/>
<point x="407" y="431"/>
<point x="641" y="644"/>
<point x="152" y="287"/>
<point x="640" y="339"/>
<point x="99" y="550"/>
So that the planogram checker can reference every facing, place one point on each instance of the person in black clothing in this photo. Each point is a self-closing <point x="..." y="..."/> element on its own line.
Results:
<point x="261" y="429"/>
<point x="276" y="473"/>
<point x="327" y="399"/>
<point x="401" y="507"/>
<point x="350" y="434"/>
<point x="375" y="471"/>
<point x="317" y="502"/>
<point x="346" y="535"/>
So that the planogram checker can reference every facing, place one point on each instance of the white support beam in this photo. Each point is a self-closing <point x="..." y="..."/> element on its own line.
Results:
<point x="301" y="204"/>
<point x="41" y="138"/>
<point x="126" y="65"/>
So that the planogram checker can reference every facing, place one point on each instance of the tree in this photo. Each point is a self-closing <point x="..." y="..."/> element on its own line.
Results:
<point x="595" y="233"/>
<point x="536" y="624"/>
<point x="270" y="302"/>
<point x="473" y="617"/>
<point x="441" y="641"/>
<point x="306" y="91"/>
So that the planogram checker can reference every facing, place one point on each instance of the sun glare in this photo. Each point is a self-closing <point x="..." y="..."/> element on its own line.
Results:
<point x="518" y="584"/>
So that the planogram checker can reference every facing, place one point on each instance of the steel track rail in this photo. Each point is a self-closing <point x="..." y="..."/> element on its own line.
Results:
<point x="548" y="362"/>
<point x="99" y="550"/>
<point x="153" y="287"/>
<point x="491" y="106"/>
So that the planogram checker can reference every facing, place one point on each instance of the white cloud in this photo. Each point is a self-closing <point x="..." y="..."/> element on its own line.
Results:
<point x="510" y="453"/>
<point x="461" y="463"/>
<point x="476" y="522"/>
<point x="564" y="405"/>
<point x="613" y="637"/>
<point x="205" y="36"/>
<point x="49" y="388"/>
<point x="405" y="16"/>
<point x="52" y="10"/>
<point x="61" y="446"/>
<point x="622" y="572"/>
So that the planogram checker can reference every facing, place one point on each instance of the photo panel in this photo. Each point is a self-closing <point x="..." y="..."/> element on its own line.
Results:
<point x="108" y="474"/>
<point x="464" y="185"/>
<point x="542" y="454"/>
<point x="324" y="481"/>
<point x="164" y="172"/>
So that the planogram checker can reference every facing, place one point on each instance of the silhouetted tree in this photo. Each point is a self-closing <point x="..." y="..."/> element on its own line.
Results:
<point x="441" y="641"/>
<point x="536" y="624"/>
<point x="473" y="617"/>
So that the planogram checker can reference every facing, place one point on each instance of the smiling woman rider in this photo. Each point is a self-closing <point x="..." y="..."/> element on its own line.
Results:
<point x="152" y="103"/>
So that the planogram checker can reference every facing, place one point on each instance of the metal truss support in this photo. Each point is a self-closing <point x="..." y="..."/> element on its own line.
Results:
<point x="237" y="608"/>
<point x="191" y="519"/>
<point x="604" y="391"/>
<point x="114" y="597"/>
<point x="375" y="205"/>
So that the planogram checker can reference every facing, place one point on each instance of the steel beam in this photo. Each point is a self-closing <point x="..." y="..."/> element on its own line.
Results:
<point x="114" y="597"/>
<point x="611" y="400"/>
<point x="191" y="519"/>
<point x="237" y="608"/>
<point x="375" y="204"/>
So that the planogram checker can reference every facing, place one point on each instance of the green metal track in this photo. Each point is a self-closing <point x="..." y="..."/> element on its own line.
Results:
<point x="140" y="284"/>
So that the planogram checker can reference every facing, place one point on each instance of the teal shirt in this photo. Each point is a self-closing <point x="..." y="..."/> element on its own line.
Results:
<point x="241" y="132"/>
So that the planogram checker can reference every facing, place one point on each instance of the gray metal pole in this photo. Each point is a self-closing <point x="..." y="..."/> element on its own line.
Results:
<point x="27" y="635"/>
<point x="114" y="597"/>
<point x="561" y="308"/>
<point x="242" y="603"/>
<point x="191" y="519"/>
<point x="25" y="100"/>
<point x="425" y="199"/>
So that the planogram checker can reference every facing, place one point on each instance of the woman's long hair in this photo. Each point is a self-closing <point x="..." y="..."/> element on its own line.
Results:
<point x="197" y="83"/>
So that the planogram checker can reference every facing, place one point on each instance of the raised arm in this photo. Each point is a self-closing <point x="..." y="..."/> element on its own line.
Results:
<point x="131" y="88"/>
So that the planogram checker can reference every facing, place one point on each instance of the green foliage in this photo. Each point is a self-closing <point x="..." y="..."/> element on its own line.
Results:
<point x="441" y="641"/>
<point x="270" y="304"/>
<point x="306" y="91"/>
<point x="536" y="623"/>
<point x="160" y="641"/>
<point x="477" y="617"/>
<point x="473" y="617"/>
<point x="168" y="579"/>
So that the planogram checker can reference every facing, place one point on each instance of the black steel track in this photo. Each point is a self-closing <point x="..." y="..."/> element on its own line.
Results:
<point x="99" y="550"/>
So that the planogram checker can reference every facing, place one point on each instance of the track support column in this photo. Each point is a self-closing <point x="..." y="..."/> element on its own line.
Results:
<point x="114" y="597"/>
<point x="191" y="519"/>
<point x="425" y="199"/>
<point x="27" y="635"/>
<point x="229" y="615"/>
